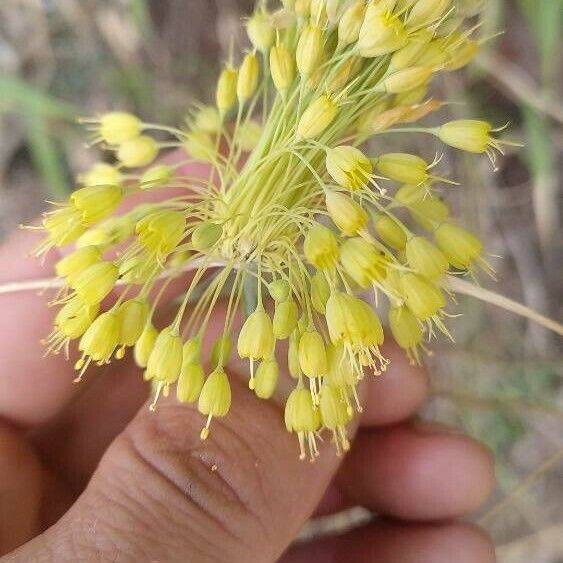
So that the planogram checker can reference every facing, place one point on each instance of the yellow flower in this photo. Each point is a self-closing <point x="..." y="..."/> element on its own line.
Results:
<point x="76" y="262"/>
<point x="165" y="360"/>
<point x="460" y="247"/>
<point x="118" y="127"/>
<point x="303" y="418"/>
<point x="349" y="167"/>
<point x="248" y="77"/>
<point x="317" y="117"/>
<point x="347" y="215"/>
<point x="421" y="296"/>
<point x="190" y="383"/>
<point x="206" y="236"/>
<point x="312" y="354"/>
<point x="161" y="232"/>
<point x="381" y="32"/>
<point x="95" y="282"/>
<point x="74" y="319"/>
<point x="350" y="23"/>
<point x="101" y="174"/>
<point x="267" y="376"/>
<point x="156" y="177"/>
<point x="226" y="94"/>
<point x="335" y="415"/>
<point x="362" y="262"/>
<point x="407" y="79"/>
<point x="144" y="345"/>
<point x="99" y="342"/>
<point x="285" y="319"/>
<point x="137" y="152"/>
<point x="425" y="12"/>
<point x="320" y="292"/>
<point x="96" y="202"/>
<point x="133" y="316"/>
<point x="425" y="258"/>
<point x="309" y="49"/>
<point x="282" y="67"/>
<point x="390" y="232"/>
<point x="404" y="168"/>
<point x="468" y="135"/>
<point x="406" y="330"/>
<point x="260" y="30"/>
<point x="321" y="247"/>
<point x="215" y="398"/>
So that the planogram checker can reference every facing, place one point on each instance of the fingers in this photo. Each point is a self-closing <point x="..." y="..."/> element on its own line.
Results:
<point x="20" y="490"/>
<point x="396" y="395"/>
<point x="243" y="495"/>
<point x="32" y="388"/>
<point x="417" y="472"/>
<point x="400" y="543"/>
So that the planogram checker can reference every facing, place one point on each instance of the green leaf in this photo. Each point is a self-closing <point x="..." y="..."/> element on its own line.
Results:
<point x="539" y="149"/>
<point x="16" y="95"/>
<point x="46" y="155"/>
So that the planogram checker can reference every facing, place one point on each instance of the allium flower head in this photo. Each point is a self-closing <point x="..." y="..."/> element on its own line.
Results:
<point x="292" y="235"/>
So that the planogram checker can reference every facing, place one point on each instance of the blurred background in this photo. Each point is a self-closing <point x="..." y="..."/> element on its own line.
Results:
<point x="502" y="380"/>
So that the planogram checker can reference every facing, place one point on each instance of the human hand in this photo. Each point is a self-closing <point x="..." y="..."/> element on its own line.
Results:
<point x="88" y="473"/>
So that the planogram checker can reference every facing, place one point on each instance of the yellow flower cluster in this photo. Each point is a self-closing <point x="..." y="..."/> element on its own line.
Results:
<point x="307" y="224"/>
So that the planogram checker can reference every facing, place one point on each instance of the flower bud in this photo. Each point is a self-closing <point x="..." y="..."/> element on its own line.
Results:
<point x="267" y="376"/>
<point x="156" y="177"/>
<point x="75" y="317"/>
<point x="334" y="412"/>
<point x="279" y="290"/>
<point x="226" y="94"/>
<point x="320" y="292"/>
<point x="161" y="232"/>
<point x="317" y="117"/>
<point x="96" y="202"/>
<point x="63" y="226"/>
<point x="309" y="49"/>
<point x="293" y="355"/>
<point x="207" y="119"/>
<point x="404" y="168"/>
<point x="467" y="135"/>
<point x="256" y="338"/>
<point x="137" y="270"/>
<point x="421" y="296"/>
<point x="352" y="323"/>
<point x="460" y="247"/>
<point x="425" y="258"/>
<point x="100" y="340"/>
<point x="349" y="167"/>
<point x="192" y="351"/>
<point x="165" y="360"/>
<point x="101" y="174"/>
<point x="407" y="56"/>
<point x="190" y="383"/>
<point x="410" y="194"/>
<point x="285" y="319"/>
<point x="425" y="12"/>
<point x="429" y="213"/>
<point x="206" y="236"/>
<point x="118" y="127"/>
<point x="261" y="31"/>
<point x="76" y="262"/>
<point x="350" y="23"/>
<point x="381" y="33"/>
<point x="282" y="67"/>
<point x="347" y="215"/>
<point x="95" y="282"/>
<point x="301" y="415"/>
<point x="133" y="316"/>
<point x="321" y="247"/>
<point x="344" y="73"/>
<point x="407" y="79"/>
<point x="144" y="346"/>
<point x="434" y="56"/>
<point x="461" y="53"/>
<point x="248" y="136"/>
<point x="137" y="152"/>
<point x="390" y="232"/>
<point x="248" y="78"/>
<point x="302" y="7"/>
<point x="312" y="354"/>
<point x="340" y="370"/>
<point x="363" y="262"/>
<point x="215" y="398"/>
<point x="199" y="145"/>
<point x="221" y="351"/>
<point x="405" y="328"/>
<point x="412" y="97"/>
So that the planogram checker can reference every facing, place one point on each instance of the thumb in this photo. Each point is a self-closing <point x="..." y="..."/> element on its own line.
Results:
<point x="161" y="494"/>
